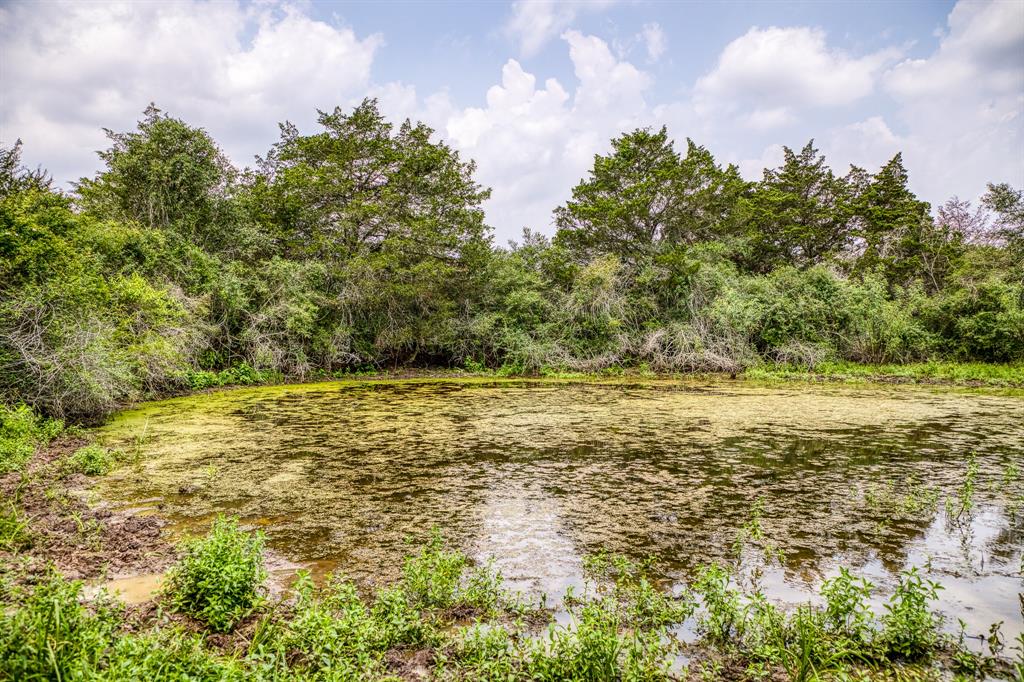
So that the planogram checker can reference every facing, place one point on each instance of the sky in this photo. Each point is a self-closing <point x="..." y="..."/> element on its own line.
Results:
<point x="533" y="90"/>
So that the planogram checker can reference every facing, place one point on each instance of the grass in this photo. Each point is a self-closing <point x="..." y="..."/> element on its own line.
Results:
<point x="239" y="375"/>
<point x="92" y="460"/>
<point x="21" y="432"/>
<point x="969" y="373"/>
<point x="619" y="626"/>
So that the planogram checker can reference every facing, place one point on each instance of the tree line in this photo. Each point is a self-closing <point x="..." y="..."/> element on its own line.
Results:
<point x="365" y="244"/>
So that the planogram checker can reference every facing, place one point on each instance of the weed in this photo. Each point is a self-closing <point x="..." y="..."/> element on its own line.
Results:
<point x="21" y="431"/>
<point x="14" y="531"/>
<point x="909" y="626"/>
<point x="49" y="634"/>
<point x="722" y="612"/>
<point x="964" y="503"/>
<point x="431" y="577"/>
<point x="92" y="460"/>
<point x="219" y="577"/>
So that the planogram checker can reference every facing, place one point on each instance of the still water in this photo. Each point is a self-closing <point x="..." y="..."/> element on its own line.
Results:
<point x="341" y="476"/>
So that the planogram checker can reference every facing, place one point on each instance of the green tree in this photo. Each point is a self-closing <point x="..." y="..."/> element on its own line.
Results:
<point x="394" y="218"/>
<point x="15" y="177"/>
<point x="165" y="175"/>
<point x="892" y="226"/>
<point x="798" y="213"/>
<point x="1008" y="205"/>
<point x="643" y="197"/>
<point x="628" y="203"/>
<point x="360" y="187"/>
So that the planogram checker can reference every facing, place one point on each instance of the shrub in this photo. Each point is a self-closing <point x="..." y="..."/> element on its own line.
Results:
<point x="21" y="431"/>
<point x="219" y="577"/>
<point x="431" y="577"/>
<point x="91" y="460"/>
<point x="909" y="626"/>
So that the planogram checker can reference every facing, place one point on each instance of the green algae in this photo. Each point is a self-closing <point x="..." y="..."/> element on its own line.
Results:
<point x="541" y="473"/>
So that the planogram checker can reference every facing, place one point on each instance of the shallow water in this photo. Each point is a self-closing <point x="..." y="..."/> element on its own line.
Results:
<point x="539" y="474"/>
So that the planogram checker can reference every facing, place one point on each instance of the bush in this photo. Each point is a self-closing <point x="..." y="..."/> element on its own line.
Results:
<point x="219" y="577"/>
<point x="21" y="431"/>
<point x="910" y="629"/>
<point x="91" y="460"/>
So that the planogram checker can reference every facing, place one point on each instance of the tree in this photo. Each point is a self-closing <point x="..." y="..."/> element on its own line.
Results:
<point x="892" y="226"/>
<point x="707" y="197"/>
<point x="361" y="187"/>
<point x="166" y="175"/>
<point x="626" y="205"/>
<point x="1008" y="205"/>
<point x="798" y="214"/>
<point x="14" y="177"/>
<point x="643" y="196"/>
<point x="394" y="219"/>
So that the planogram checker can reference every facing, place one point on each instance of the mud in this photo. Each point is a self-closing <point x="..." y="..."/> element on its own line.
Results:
<point x="81" y="540"/>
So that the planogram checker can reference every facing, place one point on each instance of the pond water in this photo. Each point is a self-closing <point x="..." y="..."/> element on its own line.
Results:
<point x="340" y="476"/>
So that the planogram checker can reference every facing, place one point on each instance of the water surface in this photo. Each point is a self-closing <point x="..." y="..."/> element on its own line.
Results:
<point x="340" y="476"/>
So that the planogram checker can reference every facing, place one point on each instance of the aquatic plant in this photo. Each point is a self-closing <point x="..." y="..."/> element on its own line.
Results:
<point x="909" y="626"/>
<point x="219" y="577"/>
<point x="964" y="502"/>
<point x="722" y="611"/>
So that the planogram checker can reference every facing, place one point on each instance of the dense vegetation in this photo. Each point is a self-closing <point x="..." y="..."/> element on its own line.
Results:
<point x="364" y="244"/>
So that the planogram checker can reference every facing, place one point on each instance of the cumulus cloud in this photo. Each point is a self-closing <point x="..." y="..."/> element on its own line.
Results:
<point x="774" y="67"/>
<point x="237" y="69"/>
<point x="654" y="38"/>
<point x="70" y="68"/>
<point x="533" y="23"/>
<point x="963" y="106"/>
<point x="533" y="143"/>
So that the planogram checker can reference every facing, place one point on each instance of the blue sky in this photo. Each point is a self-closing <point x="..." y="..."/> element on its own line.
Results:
<point x="531" y="90"/>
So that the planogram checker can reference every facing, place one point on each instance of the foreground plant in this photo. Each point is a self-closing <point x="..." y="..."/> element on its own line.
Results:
<point x="220" y="577"/>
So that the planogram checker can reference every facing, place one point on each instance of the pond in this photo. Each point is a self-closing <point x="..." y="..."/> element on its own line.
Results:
<point x="538" y="474"/>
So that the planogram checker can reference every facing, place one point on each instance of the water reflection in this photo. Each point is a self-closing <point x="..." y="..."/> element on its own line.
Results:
<point x="538" y="474"/>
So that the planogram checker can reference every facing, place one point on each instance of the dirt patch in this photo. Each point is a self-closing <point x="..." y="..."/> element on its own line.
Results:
<point x="410" y="664"/>
<point x="80" y="540"/>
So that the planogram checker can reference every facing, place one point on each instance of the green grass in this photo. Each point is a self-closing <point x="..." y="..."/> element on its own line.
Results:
<point x="967" y="373"/>
<point x="239" y="375"/>
<point x="21" y="432"/>
<point x="92" y="460"/>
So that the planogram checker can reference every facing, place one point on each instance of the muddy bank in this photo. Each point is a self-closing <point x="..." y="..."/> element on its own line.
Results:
<point x="82" y="541"/>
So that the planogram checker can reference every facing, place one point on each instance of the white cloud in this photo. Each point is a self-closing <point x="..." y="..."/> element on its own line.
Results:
<point x="963" y="106"/>
<point x="71" y="68"/>
<point x="237" y="69"/>
<point x="868" y="144"/>
<point x="535" y="22"/>
<point x="775" y="67"/>
<point x="766" y="119"/>
<point x="654" y="38"/>
<point x="532" y="144"/>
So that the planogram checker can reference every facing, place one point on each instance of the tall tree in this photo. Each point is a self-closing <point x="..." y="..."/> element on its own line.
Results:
<point x="360" y="186"/>
<point x="797" y="214"/>
<point x="892" y="225"/>
<point x="706" y="198"/>
<point x="165" y="175"/>
<point x="627" y="204"/>
<point x="643" y="196"/>
<point x="1008" y="205"/>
